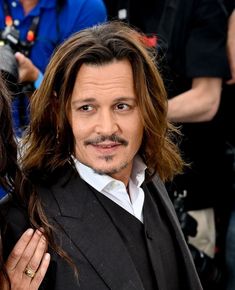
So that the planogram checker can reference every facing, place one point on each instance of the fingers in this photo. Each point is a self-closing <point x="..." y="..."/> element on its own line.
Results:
<point x="28" y="253"/>
<point x="18" y="250"/>
<point x="31" y="250"/>
<point x="27" y="70"/>
<point x="38" y="255"/>
<point x="41" y="272"/>
<point x="20" y="58"/>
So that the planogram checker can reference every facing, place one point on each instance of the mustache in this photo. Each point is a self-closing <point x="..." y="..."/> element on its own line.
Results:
<point x="103" y="138"/>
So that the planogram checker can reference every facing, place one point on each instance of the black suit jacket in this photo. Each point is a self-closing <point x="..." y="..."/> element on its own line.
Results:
<point x="84" y="230"/>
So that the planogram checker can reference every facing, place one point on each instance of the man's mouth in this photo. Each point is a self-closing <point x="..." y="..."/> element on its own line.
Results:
<point x="110" y="145"/>
<point x="106" y="148"/>
<point x="106" y="141"/>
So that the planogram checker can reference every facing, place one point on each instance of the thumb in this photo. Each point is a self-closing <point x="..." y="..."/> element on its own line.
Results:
<point x="19" y="57"/>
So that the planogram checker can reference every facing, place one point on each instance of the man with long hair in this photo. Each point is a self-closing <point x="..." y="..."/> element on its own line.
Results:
<point x="99" y="147"/>
<point x="31" y="247"/>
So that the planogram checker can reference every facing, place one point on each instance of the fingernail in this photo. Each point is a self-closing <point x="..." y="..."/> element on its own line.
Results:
<point x="47" y="256"/>
<point x="29" y="232"/>
<point x="39" y="231"/>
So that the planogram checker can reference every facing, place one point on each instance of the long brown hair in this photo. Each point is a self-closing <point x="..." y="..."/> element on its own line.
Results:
<point x="49" y="142"/>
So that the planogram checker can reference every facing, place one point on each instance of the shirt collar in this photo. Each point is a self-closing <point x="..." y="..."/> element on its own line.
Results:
<point x="138" y="171"/>
<point x="99" y="182"/>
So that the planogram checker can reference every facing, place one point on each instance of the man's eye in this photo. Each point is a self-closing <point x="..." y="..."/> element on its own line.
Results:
<point x="122" y="106"/>
<point x="86" y="108"/>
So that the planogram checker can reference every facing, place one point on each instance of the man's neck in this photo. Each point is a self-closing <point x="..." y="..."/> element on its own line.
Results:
<point x="28" y="5"/>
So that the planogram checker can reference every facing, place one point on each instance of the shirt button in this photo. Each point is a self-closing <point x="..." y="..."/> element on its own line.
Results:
<point x="13" y="4"/>
<point x="16" y="22"/>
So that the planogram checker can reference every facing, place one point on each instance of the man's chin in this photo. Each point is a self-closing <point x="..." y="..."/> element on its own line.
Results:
<point x="110" y="170"/>
<point x="106" y="171"/>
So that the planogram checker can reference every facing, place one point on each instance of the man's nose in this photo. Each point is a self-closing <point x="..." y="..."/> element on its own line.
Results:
<point x="106" y="123"/>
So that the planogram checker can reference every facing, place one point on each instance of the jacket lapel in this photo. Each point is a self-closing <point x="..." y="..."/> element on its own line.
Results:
<point x="92" y="232"/>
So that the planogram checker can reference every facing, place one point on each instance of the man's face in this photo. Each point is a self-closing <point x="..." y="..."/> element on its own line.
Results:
<point x="105" y="118"/>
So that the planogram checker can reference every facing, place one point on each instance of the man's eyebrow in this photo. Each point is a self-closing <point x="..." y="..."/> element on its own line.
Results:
<point x="125" y="98"/>
<point x="90" y="100"/>
<point x="85" y="100"/>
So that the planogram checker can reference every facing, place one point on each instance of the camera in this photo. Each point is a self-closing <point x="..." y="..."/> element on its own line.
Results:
<point x="209" y="273"/>
<point x="10" y="43"/>
<point x="11" y="37"/>
<point x="8" y="63"/>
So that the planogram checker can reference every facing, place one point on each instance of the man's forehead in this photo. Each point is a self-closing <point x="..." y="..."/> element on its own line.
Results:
<point x="108" y="76"/>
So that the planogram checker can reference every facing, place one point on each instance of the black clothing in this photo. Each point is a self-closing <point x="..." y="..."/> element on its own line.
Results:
<point x="230" y="5"/>
<point x="133" y="234"/>
<point x="141" y="240"/>
<point x="85" y="231"/>
<point x="195" y="41"/>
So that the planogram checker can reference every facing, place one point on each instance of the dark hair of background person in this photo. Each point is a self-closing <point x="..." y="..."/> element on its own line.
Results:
<point x="9" y="170"/>
<point x="49" y="140"/>
<point x="8" y="146"/>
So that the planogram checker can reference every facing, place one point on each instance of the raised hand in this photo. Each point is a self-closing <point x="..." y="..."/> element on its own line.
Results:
<point x="28" y="262"/>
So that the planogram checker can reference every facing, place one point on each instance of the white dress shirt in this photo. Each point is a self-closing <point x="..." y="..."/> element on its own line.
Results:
<point x="115" y="189"/>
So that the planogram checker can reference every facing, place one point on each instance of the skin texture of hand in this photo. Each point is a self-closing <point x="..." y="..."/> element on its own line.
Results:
<point x="28" y="72"/>
<point x="29" y="252"/>
<point x="231" y="47"/>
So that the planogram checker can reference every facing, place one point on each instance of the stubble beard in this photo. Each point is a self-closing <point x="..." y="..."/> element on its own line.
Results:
<point x="110" y="171"/>
<point x="108" y="158"/>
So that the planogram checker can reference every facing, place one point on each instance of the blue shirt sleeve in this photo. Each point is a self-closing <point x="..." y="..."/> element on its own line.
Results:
<point x="38" y="81"/>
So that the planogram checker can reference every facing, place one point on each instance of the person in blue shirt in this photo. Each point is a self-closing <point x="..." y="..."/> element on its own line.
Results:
<point x="43" y="25"/>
